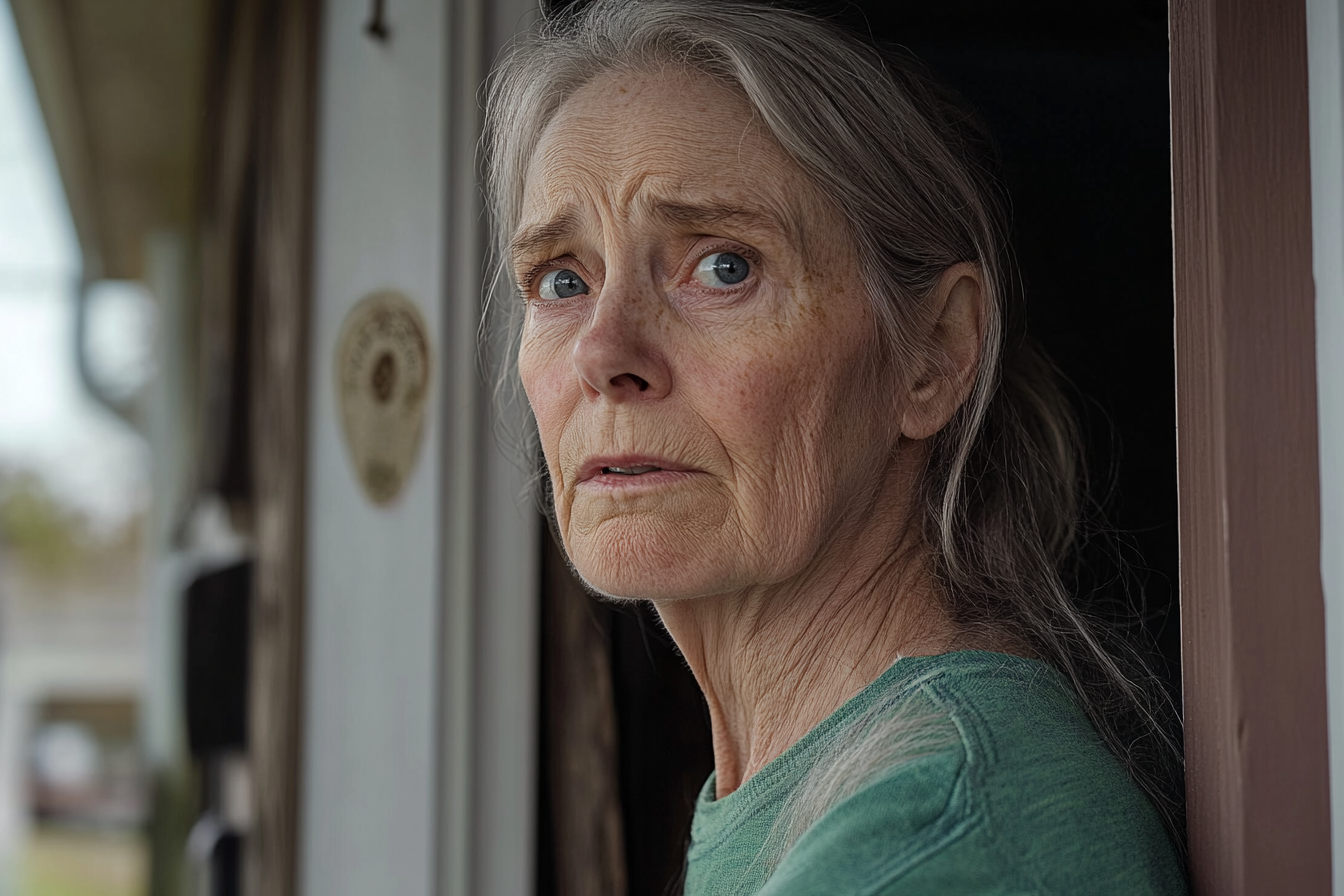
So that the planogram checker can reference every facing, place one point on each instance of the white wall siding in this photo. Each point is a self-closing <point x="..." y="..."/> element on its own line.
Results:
<point x="1325" y="27"/>
<point x="420" y="734"/>
<point x="370" y="733"/>
<point x="490" y="639"/>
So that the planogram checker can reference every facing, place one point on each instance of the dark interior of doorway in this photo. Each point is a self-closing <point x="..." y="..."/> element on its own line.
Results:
<point x="1076" y="95"/>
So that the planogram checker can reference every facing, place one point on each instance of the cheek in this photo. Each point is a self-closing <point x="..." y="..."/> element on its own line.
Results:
<point x="800" y="416"/>
<point x="811" y="387"/>
<point x="549" y="382"/>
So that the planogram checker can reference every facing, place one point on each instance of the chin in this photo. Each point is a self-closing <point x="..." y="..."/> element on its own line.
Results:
<point x="623" y="580"/>
<point x="632" y="565"/>
<point x="652" y="550"/>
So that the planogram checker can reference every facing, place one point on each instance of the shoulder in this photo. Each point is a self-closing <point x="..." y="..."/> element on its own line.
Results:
<point x="1021" y="797"/>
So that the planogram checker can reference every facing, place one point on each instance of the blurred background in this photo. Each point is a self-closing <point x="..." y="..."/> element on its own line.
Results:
<point x="255" y="638"/>
<point x="163" y="729"/>
<point x="75" y="499"/>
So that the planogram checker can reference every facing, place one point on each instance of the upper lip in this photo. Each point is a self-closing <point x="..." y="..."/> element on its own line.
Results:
<point x="594" y="466"/>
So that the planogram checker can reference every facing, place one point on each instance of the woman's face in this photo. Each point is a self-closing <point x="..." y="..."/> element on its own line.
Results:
<point x="698" y="349"/>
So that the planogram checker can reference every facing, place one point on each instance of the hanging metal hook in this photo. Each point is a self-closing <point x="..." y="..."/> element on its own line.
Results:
<point x="376" y="27"/>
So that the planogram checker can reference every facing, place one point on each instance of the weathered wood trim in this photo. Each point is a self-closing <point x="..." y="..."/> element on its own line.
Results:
<point x="490" y="569"/>
<point x="1251" y="602"/>
<point x="226" y="237"/>
<point x="285" y="107"/>
<point x="583" y="759"/>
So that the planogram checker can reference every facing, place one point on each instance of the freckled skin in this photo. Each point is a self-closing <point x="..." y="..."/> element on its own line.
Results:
<point x="774" y="391"/>
<point x="784" y="560"/>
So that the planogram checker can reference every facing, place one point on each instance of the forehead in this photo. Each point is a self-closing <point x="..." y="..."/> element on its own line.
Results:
<point x="629" y="142"/>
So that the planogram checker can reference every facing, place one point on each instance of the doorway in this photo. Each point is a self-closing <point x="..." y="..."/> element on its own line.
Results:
<point x="1076" y="96"/>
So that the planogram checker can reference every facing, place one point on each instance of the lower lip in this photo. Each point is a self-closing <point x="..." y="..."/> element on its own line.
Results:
<point x="641" y="481"/>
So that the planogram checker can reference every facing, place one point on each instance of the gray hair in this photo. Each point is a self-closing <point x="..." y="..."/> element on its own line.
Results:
<point x="914" y="174"/>
<point x="894" y="731"/>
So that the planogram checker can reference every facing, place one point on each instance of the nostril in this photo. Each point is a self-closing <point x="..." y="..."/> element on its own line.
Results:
<point x="638" y="381"/>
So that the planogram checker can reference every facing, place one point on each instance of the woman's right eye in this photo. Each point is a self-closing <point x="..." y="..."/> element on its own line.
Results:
<point x="561" y="284"/>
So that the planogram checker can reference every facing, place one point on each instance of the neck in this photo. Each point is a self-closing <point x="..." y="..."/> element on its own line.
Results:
<point x="775" y="661"/>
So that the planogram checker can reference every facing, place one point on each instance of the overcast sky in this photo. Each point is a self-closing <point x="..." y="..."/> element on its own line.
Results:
<point x="47" y="423"/>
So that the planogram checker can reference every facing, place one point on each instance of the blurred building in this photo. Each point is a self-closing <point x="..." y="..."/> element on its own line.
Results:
<point x="72" y="670"/>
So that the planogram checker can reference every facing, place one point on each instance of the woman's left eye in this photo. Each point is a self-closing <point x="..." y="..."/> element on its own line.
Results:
<point x="722" y="269"/>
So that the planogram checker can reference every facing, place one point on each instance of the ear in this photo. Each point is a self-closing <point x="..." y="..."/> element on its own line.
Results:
<point x="951" y="352"/>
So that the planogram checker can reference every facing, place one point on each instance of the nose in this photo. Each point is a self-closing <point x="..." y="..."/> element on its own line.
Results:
<point x="618" y="355"/>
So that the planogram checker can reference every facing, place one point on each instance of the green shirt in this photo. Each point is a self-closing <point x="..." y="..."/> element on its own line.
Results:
<point x="1018" y="795"/>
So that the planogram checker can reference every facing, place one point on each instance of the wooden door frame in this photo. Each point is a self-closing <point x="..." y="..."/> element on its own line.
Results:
<point x="1252" y="609"/>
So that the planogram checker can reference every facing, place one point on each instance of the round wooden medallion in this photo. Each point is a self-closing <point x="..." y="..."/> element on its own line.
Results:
<point x="382" y="383"/>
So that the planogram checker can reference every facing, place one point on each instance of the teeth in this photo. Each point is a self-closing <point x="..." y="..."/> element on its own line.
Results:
<point x="630" y="471"/>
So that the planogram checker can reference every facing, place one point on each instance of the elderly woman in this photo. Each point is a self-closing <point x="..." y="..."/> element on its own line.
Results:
<point x="770" y="343"/>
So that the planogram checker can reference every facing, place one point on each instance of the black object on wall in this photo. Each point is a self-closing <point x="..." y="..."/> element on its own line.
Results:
<point x="215" y="659"/>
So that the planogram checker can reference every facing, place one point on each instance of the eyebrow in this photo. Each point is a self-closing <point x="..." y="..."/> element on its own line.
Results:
<point x="541" y="238"/>
<point x="709" y="215"/>
<point x="535" y="238"/>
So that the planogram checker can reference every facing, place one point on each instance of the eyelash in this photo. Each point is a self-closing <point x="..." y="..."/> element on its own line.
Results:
<point x="529" y="278"/>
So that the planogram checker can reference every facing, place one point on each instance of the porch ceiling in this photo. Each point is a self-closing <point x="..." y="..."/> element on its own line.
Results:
<point x="121" y="89"/>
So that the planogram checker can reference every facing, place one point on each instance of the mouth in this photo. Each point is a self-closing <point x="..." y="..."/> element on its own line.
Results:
<point x="611" y="470"/>
<point x="630" y="471"/>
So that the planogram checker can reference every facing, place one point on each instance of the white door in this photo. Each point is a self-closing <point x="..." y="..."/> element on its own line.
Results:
<point x="419" y="741"/>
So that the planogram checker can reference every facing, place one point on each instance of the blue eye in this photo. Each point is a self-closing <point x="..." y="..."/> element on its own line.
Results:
<point x="561" y="285"/>
<point x="722" y="269"/>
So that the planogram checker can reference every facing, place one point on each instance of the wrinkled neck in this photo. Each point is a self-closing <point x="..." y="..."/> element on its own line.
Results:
<point x="775" y="661"/>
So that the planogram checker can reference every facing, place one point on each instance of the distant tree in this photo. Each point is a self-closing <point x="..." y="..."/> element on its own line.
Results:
<point x="37" y="530"/>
